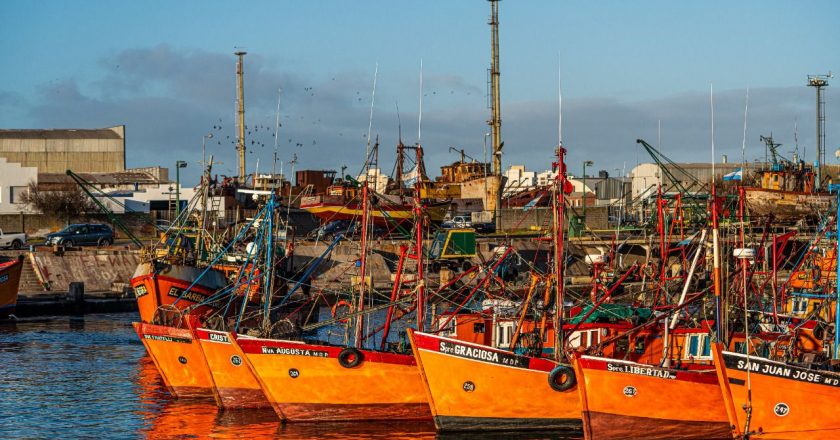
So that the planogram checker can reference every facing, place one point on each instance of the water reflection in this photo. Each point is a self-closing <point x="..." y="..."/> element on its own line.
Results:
<point x="89" y="377"/>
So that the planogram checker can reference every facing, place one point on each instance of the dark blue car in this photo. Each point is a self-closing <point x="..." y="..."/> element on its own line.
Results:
<point x="81" y="235"/>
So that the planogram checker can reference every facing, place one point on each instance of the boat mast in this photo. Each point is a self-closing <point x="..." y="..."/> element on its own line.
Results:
<point x="240" y="114"/>
<point x="557" y="232"/>
<point x="418" y="246"/>
<point x="358" y="336"/>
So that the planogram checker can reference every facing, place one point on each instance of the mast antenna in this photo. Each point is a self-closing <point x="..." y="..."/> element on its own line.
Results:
<point x="559" y="104"/>
<point x="420" y="114"/>
<point x="370" y="119"/>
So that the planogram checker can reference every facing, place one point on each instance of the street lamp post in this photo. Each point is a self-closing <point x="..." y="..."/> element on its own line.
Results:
<point x="586" y="163"/>
<point x="178" y="165"/>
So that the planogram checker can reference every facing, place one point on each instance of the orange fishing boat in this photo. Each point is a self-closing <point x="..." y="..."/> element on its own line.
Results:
<point x="309" y="382"/>
<point x="9" y="283"/>
<point x="776" y="400"/>
<point x="631" y="400"/>
<point x="179" y="359"/>
<point x="157" y="284"/>
<point x="473" y="386"/>
<point x="235" y="384"/>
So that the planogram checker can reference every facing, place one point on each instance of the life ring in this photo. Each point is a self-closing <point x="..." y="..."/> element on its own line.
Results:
<point x="562" y="378"/>
<point x="819" y="332"/>
<point x="340" y="304"/>
<point x="350" y="357"/>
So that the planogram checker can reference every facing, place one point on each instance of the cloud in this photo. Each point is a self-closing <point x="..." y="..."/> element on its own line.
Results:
<point x="170" y="97"/>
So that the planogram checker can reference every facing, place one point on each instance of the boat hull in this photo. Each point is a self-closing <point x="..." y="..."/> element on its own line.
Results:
<point x="178" y="358"/>
<point x="9" y="284"/>
<point x="327" y="210"/>
<point x="786" y="205"/>
<point x="474" y="387"/>
<point x="235" y="384"/>
<point x="786" y="402"/>
<point x="306" y="382"/>
<point x="628" y="400"/>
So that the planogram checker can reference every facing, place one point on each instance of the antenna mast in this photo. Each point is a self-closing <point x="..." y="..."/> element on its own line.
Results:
<point x="240" y="114"/>
<point x="818" y="82"/>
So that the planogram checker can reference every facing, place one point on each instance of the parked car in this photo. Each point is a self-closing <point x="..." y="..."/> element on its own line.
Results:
<point x="12" y="240"/>
<point x="82" y="234"/>
<point x="459" y="221"/>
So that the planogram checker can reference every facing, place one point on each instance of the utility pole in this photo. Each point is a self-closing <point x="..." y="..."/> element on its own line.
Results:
<point x="240" y="114"/>
<point x="818" y="82"/>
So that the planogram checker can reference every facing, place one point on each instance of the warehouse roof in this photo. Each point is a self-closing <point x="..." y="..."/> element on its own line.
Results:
<point x="62" y="133"/>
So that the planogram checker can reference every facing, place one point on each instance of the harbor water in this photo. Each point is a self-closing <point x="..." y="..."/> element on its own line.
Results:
<point x="89" y="377"/>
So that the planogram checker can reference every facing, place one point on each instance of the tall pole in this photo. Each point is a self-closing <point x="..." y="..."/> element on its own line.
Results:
<point x="818" y="82"/>
<point x="496" y="118"/>
<point x="495" y="121"/>
<point x="240" y="113"/>
<point x="836" y="349"/>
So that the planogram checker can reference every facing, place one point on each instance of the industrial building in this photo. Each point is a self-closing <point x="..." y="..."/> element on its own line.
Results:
<point x="55" y="151"/>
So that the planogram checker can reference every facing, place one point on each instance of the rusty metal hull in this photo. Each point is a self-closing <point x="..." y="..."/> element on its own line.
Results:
<point x="786" y="205"/>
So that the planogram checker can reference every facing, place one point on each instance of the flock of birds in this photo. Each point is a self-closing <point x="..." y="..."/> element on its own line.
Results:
<point x="262" y="135"/>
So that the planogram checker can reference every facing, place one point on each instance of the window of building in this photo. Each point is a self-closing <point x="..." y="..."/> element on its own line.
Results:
<point x="16" y="194"/>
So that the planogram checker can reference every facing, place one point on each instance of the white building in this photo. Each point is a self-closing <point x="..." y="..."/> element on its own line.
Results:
<point x="518" y="179"/>
<point x="14" y="181"/>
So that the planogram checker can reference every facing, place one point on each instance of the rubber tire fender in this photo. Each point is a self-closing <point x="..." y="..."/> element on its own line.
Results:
<point x="350" y="357"/>
<point x="562" y="378"/>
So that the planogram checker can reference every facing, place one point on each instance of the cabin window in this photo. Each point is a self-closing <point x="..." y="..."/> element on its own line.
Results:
<point x="450" y="329"/>
<point x="741" y="347"/>
<point x="815" y="306"/>
<point x="621" y="345"/>
<point x="504" y="334"/>
<point x="799" y="306"/>
<point x="478" y="327"/>
<point x="640" y="345"/>
<point x="698" y="347"/>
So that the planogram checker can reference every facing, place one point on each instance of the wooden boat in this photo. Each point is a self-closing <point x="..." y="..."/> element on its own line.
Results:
<point x="10" y="269"/>
<point x="776" y="400"/>
<point x="630" y="400"/>
<point x="179" y="359"/>
<point x="309" y="382"/>
<point x="786" y="205"/>
<point x="234" y="383"/>
<point x="476" y="387"/>
<point x="159" y="284"/>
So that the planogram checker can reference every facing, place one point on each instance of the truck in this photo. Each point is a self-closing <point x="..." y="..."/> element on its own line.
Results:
<point x="13" y="240"/>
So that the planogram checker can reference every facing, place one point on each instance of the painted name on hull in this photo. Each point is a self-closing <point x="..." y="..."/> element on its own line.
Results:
<point x="168" y="339"/>
<point x="479" y="354"/>
<point x="218" y="337"/>
<point x="189" y="296"/>
<point x="641" y="371"/>
<point x="294" y="351"/>
<point x="765" y="368"/>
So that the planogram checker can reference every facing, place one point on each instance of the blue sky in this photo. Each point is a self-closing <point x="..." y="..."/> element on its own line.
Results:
<point x="166" y="70"/>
